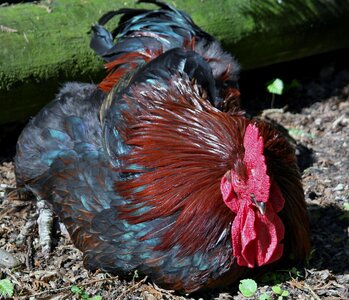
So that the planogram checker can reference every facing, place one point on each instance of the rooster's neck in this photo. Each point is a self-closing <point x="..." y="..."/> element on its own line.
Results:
<point x="182" y="147"/>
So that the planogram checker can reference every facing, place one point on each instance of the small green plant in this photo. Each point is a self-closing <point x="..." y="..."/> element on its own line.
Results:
<point x="6" y="288"/>
<point x="135" y="275"/>
<point x="264" y="296"/>
<point x="83" y="294"/>
<point x="295" y="273"/>
<point x="275" y="87"/>
<point x="279" y="276"/>
<point x="275" y="277"/>
<point x="248" y="287"/>
<point x="277" y="290"/>
<point x="297" y="132"/>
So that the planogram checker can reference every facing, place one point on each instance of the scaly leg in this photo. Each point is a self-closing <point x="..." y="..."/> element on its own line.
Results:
<point x="45" y="224"/>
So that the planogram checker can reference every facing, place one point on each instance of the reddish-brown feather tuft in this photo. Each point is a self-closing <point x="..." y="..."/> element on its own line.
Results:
<point x="124" y="64"/>
<point x="130" y="60"/>
<point x="190" y="44"/>
<point x="189" y="146"/>
<point x="231" y="102"/>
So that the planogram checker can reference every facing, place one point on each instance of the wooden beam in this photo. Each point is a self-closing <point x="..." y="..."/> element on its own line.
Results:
<point x="43" y="45"/>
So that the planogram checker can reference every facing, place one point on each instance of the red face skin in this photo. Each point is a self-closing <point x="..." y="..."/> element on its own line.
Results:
<point x="257" y="230"/>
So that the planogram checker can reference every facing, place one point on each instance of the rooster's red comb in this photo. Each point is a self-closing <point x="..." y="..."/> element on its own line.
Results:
<point x="254" y="159"/>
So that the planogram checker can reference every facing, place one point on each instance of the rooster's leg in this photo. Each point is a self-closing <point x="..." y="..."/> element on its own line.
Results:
<point x="45" y="225"/>
<point x="45" y="218"/>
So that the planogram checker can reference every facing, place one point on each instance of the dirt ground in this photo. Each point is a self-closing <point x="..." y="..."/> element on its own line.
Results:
<point x="316" y="114"/>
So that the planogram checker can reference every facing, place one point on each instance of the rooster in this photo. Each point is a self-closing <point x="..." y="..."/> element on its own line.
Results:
<point x="157" y="171"/>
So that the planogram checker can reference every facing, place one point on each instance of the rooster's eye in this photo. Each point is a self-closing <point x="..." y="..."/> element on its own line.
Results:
<point x="237" y="181"/>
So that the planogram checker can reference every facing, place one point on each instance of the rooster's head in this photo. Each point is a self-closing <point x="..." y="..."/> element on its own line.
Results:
<point x="257" y="231"/>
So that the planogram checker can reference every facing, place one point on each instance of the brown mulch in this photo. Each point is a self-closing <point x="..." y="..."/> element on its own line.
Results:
<point x="321" y="125"/>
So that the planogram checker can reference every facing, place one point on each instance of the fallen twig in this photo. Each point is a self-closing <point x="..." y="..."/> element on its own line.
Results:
<point x="311" y="291"/>
<point x="131" y="288"/>
<point x="269" y="111"/>
<point x="168" y="293"/>
<point x="29" y="259"/>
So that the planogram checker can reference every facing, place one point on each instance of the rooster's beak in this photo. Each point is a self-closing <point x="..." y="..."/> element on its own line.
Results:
<point x="260" y="205"/>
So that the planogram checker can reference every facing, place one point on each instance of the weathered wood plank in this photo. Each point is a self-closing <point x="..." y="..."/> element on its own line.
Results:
<point x="42" y="46"/>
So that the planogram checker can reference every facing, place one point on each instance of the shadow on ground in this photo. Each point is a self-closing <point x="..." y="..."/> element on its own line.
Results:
<point x="329" y="227"/>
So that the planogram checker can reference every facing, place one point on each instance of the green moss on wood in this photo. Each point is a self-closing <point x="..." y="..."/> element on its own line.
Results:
<point x="52" y="46"/>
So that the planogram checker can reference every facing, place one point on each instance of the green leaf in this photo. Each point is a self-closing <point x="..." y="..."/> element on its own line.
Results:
<point x="84" y="295"/>
<point x="284" y="293"/>
<point x="6" y="287"/>
<point x="277" y="289"/>
<point x="297" y="132"/>
<point x="97" y="297"/>
<point x="75" y="289"/>
<point x="248" y="287"/>
<point x="276" y="86"/>
<point x="264" y="296"/>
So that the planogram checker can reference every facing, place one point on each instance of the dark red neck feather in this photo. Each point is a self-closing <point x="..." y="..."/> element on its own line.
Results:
<point x="187" y="146"/>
